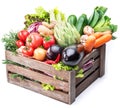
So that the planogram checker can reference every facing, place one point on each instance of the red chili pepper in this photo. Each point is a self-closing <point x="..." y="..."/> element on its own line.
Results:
<point x="50" y="62"/>
<point x="57" y="59"/>
<point x="53" y="61"/>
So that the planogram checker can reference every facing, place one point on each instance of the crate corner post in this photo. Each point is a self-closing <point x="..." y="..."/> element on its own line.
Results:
<point x="102" y="60"/>
<point x="72" y="88"/>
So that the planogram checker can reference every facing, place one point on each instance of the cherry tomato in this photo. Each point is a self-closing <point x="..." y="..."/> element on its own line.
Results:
<point x="34" y="40"/>
<point x="19" y="43"/>
<point x="48" y="41"/>
<point x="23" y="34"/>
<point x="27" y="51"/>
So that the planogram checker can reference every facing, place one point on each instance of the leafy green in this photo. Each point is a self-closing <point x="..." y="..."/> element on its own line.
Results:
<point x="98" y="13"/>
<point x="9" y="41"/>
<point x="61" y="66"/>
<point x="113" y="37"/>
<point x="15" y="75"/>
<point x="11" y="62"/>
<point x="48" y="87"/>
<point x="80" y="74"/>
<point x="57" y="15"/>
<point x="100" y="22"/>
<point x="40" y="15"/>
<point x="57" y="77"/>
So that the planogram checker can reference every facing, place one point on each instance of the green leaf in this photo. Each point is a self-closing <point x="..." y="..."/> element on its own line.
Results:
<point x="80" y="74"/>
<point x="113" y="37"/>
<point x="113" y="28"/>
<point x="48" y="87"/>
<point x="61" y="66"/>
<point x="15" y="75"/>
<point x="57" y="77"/>
<point x="11" y="62"/>
<point x="9" y="41"/>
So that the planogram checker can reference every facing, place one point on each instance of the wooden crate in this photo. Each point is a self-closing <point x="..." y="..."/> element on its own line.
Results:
<point x="67" y="89"/>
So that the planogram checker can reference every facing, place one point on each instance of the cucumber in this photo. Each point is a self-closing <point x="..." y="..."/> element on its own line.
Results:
<point x="72" y="19"/>
<point x="81" y="23"/>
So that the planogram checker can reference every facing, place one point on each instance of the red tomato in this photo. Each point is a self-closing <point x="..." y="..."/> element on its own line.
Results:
<point x="34" y="40"/>
<point x="27" y="51"/>
<point x="19" y="43"/>
<point x="48" y="41"/>
<point x="23" y="34"/>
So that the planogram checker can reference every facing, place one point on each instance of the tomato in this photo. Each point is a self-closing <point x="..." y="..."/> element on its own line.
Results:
<point x="48" y="41"/>
<point x="27" y="51"/>
<point x="34" y="40"/>
<point x="39" y="54"/>
<point x="23" y="34"/>
<point x="19" y="43"/>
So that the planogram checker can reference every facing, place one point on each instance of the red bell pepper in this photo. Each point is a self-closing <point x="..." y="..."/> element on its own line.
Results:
<point x="48" y="41"/>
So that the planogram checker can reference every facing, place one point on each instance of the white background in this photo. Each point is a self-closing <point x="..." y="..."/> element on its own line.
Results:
<point x="104" y="92"/>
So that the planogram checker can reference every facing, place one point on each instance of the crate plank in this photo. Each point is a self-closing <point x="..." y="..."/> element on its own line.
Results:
<point x="94" y="54"/>
<point x="35" y="64"/>
<point x="61" y="96"/>
<point x="34" y="75"/>
<point x="88" y="72"/>
<point x="83" y="85"/>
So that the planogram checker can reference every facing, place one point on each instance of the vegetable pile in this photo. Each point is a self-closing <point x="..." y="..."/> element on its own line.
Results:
<point x="60" y="41"/>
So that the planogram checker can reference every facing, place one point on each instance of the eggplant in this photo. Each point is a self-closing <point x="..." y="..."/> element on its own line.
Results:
<point x="71" y="56"/>
<point x="53" y="51"/>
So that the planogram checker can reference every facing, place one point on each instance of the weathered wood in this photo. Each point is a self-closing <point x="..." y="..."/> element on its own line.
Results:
<point x="102" y="60"/>
<point x="35" y="64"/>
<point x="94" y="54"/>
<point x="72" y="87"/>
<point x="66" y="90"/>
<point x="58" y="95"/>
<point x="34" y="75"/>
<point x="88" y="72"/>
<point x="81" y="87"/>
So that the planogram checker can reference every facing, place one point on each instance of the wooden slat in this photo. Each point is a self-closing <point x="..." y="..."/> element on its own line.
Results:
<point x="87" y="82"/>
<point x="94" y="54"/>
<point x="88" y="72"/>
<point x="58" y="95"/>
<point x="35" y="64"/>
<point x="72" y="87"/>
<point x="102" y="60"/>
<point x="34" y="75"/>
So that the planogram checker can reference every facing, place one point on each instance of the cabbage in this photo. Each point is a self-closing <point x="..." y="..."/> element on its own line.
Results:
<point x="34" y="27"/>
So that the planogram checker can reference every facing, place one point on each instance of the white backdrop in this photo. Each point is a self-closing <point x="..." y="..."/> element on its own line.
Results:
<point x="104" y="92"/>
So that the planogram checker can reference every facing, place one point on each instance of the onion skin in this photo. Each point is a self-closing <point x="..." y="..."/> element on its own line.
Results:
<point x="39" y="54"/>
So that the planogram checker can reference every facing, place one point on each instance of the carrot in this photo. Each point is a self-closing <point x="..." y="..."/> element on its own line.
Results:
<point x="99" y="34"/>
<point x="89" y="44"/>
<point x="102" y="40"/>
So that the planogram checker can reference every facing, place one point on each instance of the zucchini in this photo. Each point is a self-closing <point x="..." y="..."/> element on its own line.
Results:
<point x="81" y="23"/>
<point x="72" y="19"/>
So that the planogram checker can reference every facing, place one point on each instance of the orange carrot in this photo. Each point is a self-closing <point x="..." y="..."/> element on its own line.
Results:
<point x="89" y="44"/>
<point x="99" y="34"/>
<point x="102" y="40"/>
